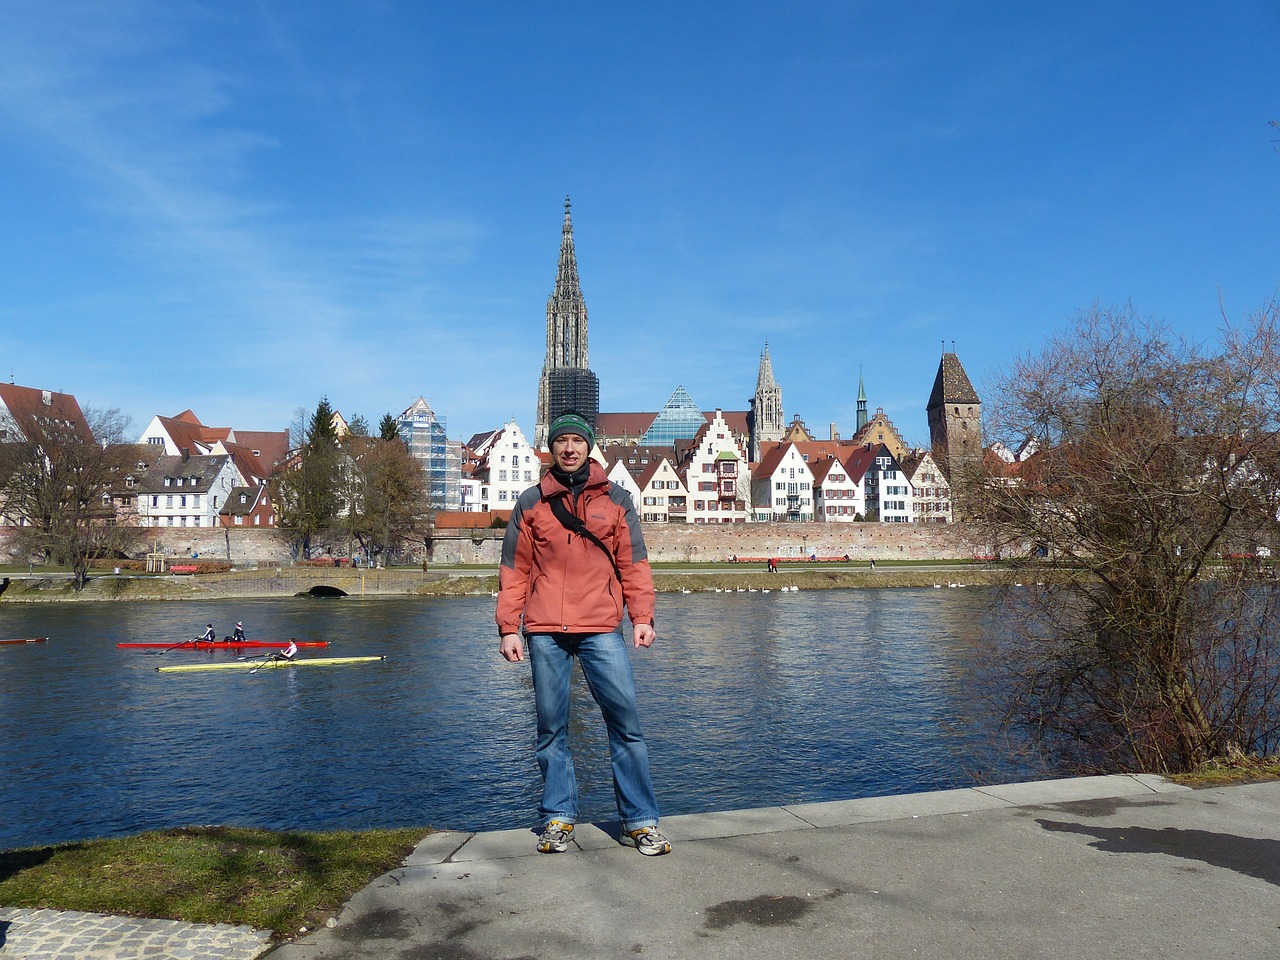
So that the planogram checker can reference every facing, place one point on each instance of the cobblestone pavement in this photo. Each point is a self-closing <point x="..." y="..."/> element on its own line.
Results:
<point x="70" y="935"/>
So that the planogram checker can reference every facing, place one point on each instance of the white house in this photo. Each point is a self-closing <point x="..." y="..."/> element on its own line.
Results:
<point x="929" y="487"/>
<point x="888" y="492"/>
<point x="782" y="485"/>
<point x="837" y="496"/>
<point x="183" y="491"/>
<point x="508" y="465"/>
<point x="716" y="476"/>
<point x="663" y="498"/>
<point x="619" y="474"/>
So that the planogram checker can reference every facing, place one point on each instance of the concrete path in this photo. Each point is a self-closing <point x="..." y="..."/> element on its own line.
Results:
<point x="1099" y="867"/>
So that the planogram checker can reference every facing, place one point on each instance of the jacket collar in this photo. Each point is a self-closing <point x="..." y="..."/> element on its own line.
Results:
<point x="596" y="479"/>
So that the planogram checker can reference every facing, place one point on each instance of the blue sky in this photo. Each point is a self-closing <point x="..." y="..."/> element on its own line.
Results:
<point x="240" y="207"/>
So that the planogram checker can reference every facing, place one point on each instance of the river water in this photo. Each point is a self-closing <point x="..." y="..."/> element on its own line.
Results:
<point x="748" y="700"/>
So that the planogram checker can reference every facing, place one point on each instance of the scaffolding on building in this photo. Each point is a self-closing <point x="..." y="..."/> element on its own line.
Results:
<point x="425" y="435"/>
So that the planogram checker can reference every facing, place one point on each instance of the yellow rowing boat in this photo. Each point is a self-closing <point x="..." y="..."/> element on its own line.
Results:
<point x="267" y="664"/>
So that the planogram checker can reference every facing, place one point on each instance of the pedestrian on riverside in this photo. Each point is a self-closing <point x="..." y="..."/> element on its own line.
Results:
<point x="572" y="559"/>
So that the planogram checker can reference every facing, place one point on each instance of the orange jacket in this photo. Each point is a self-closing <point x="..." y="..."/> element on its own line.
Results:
<point x="559" y="582"/>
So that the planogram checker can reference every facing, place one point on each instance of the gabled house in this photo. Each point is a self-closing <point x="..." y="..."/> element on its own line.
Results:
<point x="267" y="449"/>
<point x="837" y="496"/>
<point x="714" y="472"/>
<point x="25" y="411"/>
<point x="504" y="464"/>
<point x="662" y="497"/>
<point x="248" y="506"/>
<point x="880" y="429"/>
<point x="930" y="490"/>
<point x="888" y="492"/>
<point x="782" y="485"/>
<point x="186" y="491"/>
<point x="618" y="474"/>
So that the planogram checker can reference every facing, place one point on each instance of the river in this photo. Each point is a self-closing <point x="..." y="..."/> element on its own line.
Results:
<point x="748" y="700"/>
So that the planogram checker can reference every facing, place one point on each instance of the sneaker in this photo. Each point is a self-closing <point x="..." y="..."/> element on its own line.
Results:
<point x="555" y="837"/>
<point x="647" y="840"/>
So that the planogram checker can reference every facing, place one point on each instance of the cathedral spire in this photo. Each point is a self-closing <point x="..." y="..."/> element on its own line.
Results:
<point x="566" y="382"/>
<point x="764" y="421"/>
<point x="567" y="295"/>
<point x="764" y="379"/>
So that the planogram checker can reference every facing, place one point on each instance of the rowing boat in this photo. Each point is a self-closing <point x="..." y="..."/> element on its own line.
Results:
<point x="26" y="640"/>
<point x="269" y="664"/>
<point x="223" y="645"/>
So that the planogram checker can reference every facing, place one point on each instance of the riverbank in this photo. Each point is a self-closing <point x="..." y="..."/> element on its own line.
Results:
<point x="476" y="581"/>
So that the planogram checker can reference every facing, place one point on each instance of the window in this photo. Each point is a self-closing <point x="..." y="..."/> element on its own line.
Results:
<point x="168" y="502"/>
<point x="168" y="481"/>
<point x="239" y="520"/>
<point x="155" y="501"/>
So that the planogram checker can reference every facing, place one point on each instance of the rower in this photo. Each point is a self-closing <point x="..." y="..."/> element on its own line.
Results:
<point x="237" y="635"/>
<point x="291" y="650"/>
<point x="208" y="636"/>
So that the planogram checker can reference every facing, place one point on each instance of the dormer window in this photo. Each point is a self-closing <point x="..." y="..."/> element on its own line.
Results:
<point x="168" y="481"/>
<point x="128" y="481"/>
<point x="141" y="466"/>
<point x="244" y="498"/>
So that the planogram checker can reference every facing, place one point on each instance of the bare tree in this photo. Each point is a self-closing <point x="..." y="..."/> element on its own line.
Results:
<point x="55" y="483"/>
<point x="391" y="508"/>
<point x="1140" y="644"/>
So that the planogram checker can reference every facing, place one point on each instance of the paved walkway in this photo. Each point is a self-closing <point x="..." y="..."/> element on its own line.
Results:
<point x="1095" y="868"/>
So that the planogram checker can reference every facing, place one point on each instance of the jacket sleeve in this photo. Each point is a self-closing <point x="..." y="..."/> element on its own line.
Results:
<point x="632" y="557"/>
<point x="513" y="573"/>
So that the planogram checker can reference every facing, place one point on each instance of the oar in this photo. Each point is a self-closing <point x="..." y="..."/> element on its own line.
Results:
<point x="184" y="643"/>
<point x="268" y="658"/>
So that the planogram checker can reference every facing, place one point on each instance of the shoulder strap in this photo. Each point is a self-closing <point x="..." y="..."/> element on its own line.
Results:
<point x="575" y="524"/>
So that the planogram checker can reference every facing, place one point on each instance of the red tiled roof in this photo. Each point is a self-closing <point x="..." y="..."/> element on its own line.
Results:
<point x="28" y="405"/>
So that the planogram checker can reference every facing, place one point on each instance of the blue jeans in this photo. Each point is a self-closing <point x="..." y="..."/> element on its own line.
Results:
<point x="607" y="669"/>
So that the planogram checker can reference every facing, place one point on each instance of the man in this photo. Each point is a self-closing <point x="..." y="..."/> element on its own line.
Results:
<point x="237" y="634"/>
<point x="572" y="559"/>
<point x="209" y="635"/>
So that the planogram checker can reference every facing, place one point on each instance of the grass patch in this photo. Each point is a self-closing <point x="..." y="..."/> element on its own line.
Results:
<point x="1225" y="773"/>
<point x="282" y="882"/>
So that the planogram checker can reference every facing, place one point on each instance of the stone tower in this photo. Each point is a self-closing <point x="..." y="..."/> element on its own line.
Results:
<point x="955" y="428"/>
<point x="567" y="383"/>
<point x="765" y="421"/>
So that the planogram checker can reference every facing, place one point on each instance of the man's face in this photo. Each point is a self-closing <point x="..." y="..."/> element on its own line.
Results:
<point x="569" y="451"/>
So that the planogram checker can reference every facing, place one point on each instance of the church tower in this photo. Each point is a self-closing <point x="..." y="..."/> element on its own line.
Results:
<point x="955" y="427"/>
<point x="862" y="403"/>
<point x="764" y="420"/>
<point x="566" y="383"/>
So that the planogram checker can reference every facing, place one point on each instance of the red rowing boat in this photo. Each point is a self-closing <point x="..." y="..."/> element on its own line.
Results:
<point x="32" y="640"/>
<point x="224" y="645"/>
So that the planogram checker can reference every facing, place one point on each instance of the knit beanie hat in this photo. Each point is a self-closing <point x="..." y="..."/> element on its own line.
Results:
<point x="571" y="422"/>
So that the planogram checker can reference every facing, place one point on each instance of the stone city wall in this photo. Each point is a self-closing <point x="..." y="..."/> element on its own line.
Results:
<point x="692" y="543"/>
<point x="672" y="543"/>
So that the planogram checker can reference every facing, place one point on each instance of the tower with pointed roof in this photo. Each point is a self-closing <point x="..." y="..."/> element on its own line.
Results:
<point x="862" y="403"/>
<point x="955" y="426"/>
<point x="567" y="382"/>
<point x="765" y="423"/>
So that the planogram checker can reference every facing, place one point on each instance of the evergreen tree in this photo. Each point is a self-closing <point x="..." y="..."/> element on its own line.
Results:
<point x="310" y="495"/>
<point x="388" y="428"/>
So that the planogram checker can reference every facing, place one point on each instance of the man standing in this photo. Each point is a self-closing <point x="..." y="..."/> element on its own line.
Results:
<point x="572" y="559"/>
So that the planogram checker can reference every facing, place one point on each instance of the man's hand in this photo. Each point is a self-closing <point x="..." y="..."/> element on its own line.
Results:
<point x="511" y="648"/>
<point x="645" y="635"/>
